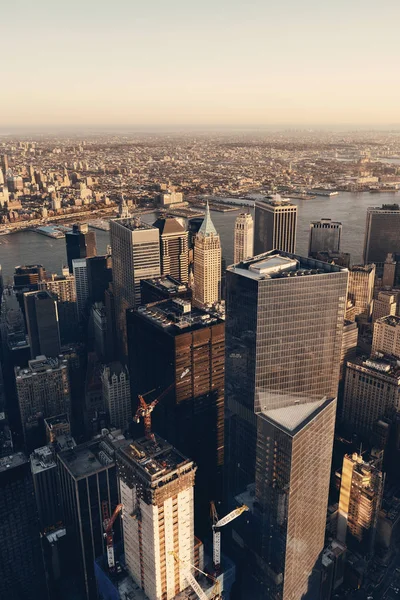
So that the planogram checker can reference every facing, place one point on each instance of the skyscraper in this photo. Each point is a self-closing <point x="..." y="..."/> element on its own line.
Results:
<point x="325" y="236"/>
<point x="244" y="237"/>
<point x="389" y="271"/>
<point x="135" y="255"/>
<point x="294" y="452"/>
<point x="43" y="390"/>
<point x="4" y="164"/>
<point x="360" y="292"/>
<point x="63" y="288"/>
<point x="42" y="322"/>
<point x="384" y="305"/>
<point x="386" y="338"/>
<point x="81" y="243"/>
<point x="88" y="478"/>
<point x="156" y="488"/>
<point x="117" y="395"/>
<point x="207" y="263"/>
<point x="174" y="250"/>
<point x="79" y="268"/>
<point x="381" y="233"/>
<point x="361" y="491"/>
<point x="99" y="274"/>
<point x="172" y="342"/>
<point x="284" y="327"/>
<point x="21" y="566"/>
<point x="275" y="226"/>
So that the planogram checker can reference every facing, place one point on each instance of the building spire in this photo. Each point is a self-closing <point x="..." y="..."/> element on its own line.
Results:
<point x="207" y="227"/>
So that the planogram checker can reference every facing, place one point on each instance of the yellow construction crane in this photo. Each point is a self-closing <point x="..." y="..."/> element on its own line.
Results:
<point x="194" y="584"/>
<point x="216" y="527"/>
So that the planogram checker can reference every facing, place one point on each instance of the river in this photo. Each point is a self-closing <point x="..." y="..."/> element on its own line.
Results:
<point x="29" y="247"/>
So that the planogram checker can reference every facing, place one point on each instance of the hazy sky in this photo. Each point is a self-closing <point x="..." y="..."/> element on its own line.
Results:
<point x="200" y="62"/>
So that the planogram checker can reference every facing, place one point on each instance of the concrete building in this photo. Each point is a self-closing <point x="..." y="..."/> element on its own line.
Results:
<point x="207" y="263"/>
<point x="360" y="292"/>
<point x="81" y="287"/>
<point x="294" y="452"/>
<point x="80" y="243"/>
<point x="275" y="226"/>
<point x="47" y="487"/>
<point x="117" y="395"/>
<point x="384" y="305"/>
<point x="325" y="236"/>
<point x="172" y="343"/>
<point x="43" y="390"/>
<point x="162" y="288"/>
<point x="386" y="337"/>
<point x="22" y="572"/>
<point x="389" y="271"/>
<point x="284" y="329"/>
<point x="372" y="391"/>
<point x="136" y="255"/>
<point x="174" y="250"/>
<point x="171" y="197"/>
<point x="157" y="491"/>
<point x="87" y="479"/>
<point x="63" y="288"/>
<point x="41" y="315"/>
<point x="361" y="491"/>
<point x="243" y="237"/>
<point x="381" y="234"/>
<point x="349" y="345"/>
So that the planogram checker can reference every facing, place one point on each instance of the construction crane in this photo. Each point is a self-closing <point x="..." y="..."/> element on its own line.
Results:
<point x="194" y="584"/>
<point x="108" y="531"/>
<point x="144" y="410"/>
<point x="216" y="527"/>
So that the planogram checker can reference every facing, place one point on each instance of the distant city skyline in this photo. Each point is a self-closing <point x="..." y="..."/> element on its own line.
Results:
<point x="209" y="64"/>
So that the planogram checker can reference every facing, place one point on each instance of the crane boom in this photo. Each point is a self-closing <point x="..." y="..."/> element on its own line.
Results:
<point x="185" y="567"/>
<point x="108" y="532"/>
<point x="231" y="516"/>
<point x="217" y="524"/>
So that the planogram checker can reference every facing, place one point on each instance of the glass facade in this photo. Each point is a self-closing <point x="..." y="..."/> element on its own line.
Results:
<point x="381" y="233"/>
<point x="283" y="347"/>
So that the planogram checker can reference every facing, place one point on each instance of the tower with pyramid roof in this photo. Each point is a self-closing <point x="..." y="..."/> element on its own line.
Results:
<point x="207" y="263"/>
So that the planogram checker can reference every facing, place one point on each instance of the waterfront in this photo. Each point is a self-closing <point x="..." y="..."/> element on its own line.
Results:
<point x="29" y="247"/>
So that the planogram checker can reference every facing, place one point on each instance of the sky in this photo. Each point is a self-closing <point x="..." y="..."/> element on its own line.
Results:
<point x="203" y="62"/>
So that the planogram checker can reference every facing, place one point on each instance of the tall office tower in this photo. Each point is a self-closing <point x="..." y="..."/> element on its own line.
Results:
<point x="15" y="183"/>
<point x="117" y="395"/>
<point x="81" y="287"/>
<point x="275" y="226"/>
<point x="174" y="250"/>
<point x="22" y="572"/>
<point x="162" y="288"/>
<point x="27" y="277"/>
<point x="349" y="345"/>
<point x="325" y="236"/>
<point x="99" y="325"/>
<point x="361" y="491"/>
<point x="87" y="478"/>
<point x="42" y="323"/>
<point x="284" y="327"/>
<point x="386" y="338"/>
<point x="94" y="411"/>
<point x="381" y="234"/>
<point x="81" y="243"/>
<point x="360" y="292"/>
<point x="6" y="439"/>
<point x="371" y="392"/>
<point x="136" y="255"/>
<point x="4" y="164"/>
<point x="43" y="390"/>
<point x="99" y="274"/>
<point x="63" y="287"/>
<point x="156" y="488"/>
<point x="294" y="453"/>
<point x="244" y="237"/>
<point x="47" y="487"/>
<point x="384" y="305"/>
<point x="174" y="343"/>
<point x="389" y="271"/>
<point x="207" y="263"/>
<point x="111" y="333"/>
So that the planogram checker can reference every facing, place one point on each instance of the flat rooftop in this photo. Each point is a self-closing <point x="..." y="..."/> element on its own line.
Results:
<point x="393" y="321"/>
<point x="42" y="459"/>
<point x="176" y="316"/>
<point x="86" y="459"/>
<point x="58" y="420"/>
<point x="277" y="264"/>
<point x="40" y="364"/>
<point x="384" y="365"/>
<point x="14" y="460"/>
<point x="132" y="223"/>
<point x="166" y="284"/>
<point x="293" y="418"/>
<point x="155" y="458"/>
<point x="276" y="201"/>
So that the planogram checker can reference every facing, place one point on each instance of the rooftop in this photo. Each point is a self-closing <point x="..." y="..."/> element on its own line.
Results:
<point x="40" y="364"/>
<point x="14" y="460"/>
<point x="176" y="316"/>
<point x="276" y="201"/>
<point x="132" y="223"/>
<point x="42" y="459"/>
<point x="384" y="207"/>
<point x="362" y="268"/>
<point x="155" y="458"/>
<point x="393" y="321"/>
<point x="86" y="459"/>
<point x="277" y="264"/>
<point x="169" y="225"/>
<point x="385" y="365"/>
<point x="166" y="283"/>
<point x="293" y="418"/>
<point x="207" y="227"/>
